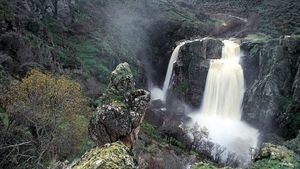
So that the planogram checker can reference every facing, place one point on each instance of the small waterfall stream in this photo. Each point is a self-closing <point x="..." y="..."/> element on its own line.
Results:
<point x="161" y="94"/>
<point x="173" y="59"/>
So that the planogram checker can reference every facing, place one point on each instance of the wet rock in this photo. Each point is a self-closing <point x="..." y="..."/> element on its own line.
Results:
<point x="110" y="156"/>
<point x="192" y="67"/>
<point x="120" y="117"/>
<point x="273" y="86"/>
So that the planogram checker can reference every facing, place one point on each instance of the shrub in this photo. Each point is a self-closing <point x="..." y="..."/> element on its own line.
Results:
<point x="53" y="111"/>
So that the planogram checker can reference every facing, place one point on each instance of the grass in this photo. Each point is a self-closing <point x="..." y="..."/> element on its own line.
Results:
<point x="151" y="130"/>
<point x="258" y="36"/>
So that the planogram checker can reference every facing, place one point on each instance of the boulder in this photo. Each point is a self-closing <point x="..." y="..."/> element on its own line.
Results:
<point x="124" y="109"/>
<point x="110" y="156"/>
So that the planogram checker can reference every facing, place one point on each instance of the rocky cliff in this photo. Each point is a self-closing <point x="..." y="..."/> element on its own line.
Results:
<point x="271" y="69"/>
<point x="272" y="73"/>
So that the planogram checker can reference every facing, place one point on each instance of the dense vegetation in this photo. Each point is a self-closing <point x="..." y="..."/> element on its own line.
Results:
<point x="45" y="120"/>
<point x="56" y="57"/>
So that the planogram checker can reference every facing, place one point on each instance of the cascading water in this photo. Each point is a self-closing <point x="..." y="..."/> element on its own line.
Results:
<point x="221" y="111"/>
<point x="158" y="93"/>
<point x="173" y="59"/>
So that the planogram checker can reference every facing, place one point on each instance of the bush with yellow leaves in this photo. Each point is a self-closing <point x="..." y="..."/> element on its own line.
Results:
<point x="54" y="111"/>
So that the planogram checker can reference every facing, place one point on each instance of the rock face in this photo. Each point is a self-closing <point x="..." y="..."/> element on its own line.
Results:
<point x="110" y="156"/>
<point x="192" y="67"/>
<point x="272" y="82"/>
<point x="124" y="109"/>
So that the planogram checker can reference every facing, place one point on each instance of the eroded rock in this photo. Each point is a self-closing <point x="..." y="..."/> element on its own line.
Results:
<point x="121" y="116"/>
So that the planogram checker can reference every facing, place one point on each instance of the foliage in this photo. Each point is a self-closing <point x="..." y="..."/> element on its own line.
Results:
<point x="184" y="86"/>
<point x="203" y="165"/>
<point x="258" y="36"/>
<point x="150" y="130"/>
<point x="3" y="118"/>
<point x="254" y="51"/>
<point x="268" y="163"/>
<point x="274" y="156"/>
<point x="52" y="111"/>
<point x="6" y="12"/>
<point x="294" y="144"/>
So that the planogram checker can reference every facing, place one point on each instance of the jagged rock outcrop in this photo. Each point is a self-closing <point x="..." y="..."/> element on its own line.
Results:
<point x="272" y="92"/>
<point x="111" y="156"/>
<point x="192" y="67"/>
<point x="124" y="109"/>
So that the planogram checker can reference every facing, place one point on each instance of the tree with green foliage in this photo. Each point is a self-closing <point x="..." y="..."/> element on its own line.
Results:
<point x="48" y="121"/>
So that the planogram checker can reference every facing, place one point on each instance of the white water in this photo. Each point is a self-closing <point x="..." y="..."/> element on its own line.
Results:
<point x="161" y="94"/>
<point x="221" y="111"/>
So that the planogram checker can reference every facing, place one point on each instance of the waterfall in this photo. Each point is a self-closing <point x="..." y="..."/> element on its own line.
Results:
<point x="224" y="87"/>
<point x="173" y="59"/>
<point x="220" y="110"/>
<point x="161" y="94"/>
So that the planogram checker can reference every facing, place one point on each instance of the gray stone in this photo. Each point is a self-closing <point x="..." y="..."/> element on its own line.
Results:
<point x="267" y="97"/>
<point x="192" y="67"/>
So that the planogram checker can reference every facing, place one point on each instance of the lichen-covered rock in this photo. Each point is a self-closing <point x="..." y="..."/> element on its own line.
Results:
<point x="284" y="156"/>
<point x="121" y="115"/>
<point x="110" y="156"/>
<point x="192" y="67"/>
<point x="121" y="82"/>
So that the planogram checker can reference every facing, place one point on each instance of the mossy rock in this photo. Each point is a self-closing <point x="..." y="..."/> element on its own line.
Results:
<point x="121" y="82"/>
<point x="111" y="156"/>
<point x="274" y="156"/>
